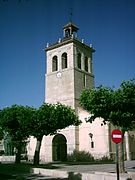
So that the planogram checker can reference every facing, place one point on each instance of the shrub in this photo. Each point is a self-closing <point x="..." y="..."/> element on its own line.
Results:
<point x="105" y="159"/>
<point x="80" y="156"/>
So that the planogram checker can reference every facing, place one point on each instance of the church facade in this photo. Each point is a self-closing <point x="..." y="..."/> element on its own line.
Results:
<point x="69" y="69"/>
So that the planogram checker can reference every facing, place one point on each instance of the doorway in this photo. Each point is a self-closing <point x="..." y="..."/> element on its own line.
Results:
<point x="59" y="148"/>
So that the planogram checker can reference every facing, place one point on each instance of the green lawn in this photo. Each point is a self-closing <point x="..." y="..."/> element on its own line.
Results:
<point x="9" y="171"/>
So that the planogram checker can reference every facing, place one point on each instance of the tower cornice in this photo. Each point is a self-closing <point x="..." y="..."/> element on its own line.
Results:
<point x="68" y="40"/>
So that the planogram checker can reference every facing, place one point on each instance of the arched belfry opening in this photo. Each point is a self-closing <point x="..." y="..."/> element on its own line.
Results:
<point x="59" y="148"/>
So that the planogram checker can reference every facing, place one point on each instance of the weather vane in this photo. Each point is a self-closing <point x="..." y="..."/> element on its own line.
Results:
<point x="71" y="14"/>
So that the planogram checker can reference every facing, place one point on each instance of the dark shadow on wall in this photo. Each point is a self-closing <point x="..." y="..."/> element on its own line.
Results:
<point x="72" y="176"/>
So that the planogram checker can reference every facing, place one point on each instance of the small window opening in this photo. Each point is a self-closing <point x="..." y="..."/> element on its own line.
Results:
<point x="92" y="144"/>
<point x="79" y="60"/>
<point x="86" y="64"/>
<point x="64" y="60"/>
<point x="67" y="33"/>
<point x="84" y="80"/>
<point x="54" y="63"/>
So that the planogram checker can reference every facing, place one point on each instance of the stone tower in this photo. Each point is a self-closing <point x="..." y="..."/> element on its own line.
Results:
<point x="68" y="71"/>
<point x="69" y="68"/>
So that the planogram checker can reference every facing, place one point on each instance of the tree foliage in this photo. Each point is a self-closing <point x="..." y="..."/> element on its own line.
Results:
<point x="52" y="117"/>
<point x="49" y="119"/>
<point x="21" y="122"/>
<point x="124" y="106"/>
<point x="116" y="106"/>
<point x="15" y="120"/>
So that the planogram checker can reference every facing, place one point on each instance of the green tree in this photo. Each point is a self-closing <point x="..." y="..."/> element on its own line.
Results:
<point x="15" y="121"/>
<point x="116" y="106"/>
<point x="49" y="119"/>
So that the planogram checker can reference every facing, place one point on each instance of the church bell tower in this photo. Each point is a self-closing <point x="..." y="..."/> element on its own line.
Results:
<point x="69" y="68"/>
<point x="68" y="71"/>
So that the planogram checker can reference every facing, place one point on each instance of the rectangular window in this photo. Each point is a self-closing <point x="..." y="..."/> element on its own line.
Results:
<point x="54" y="64"/>
<point x="86" y="64"/>
<point x="92" y="144"/>
<point x="79" y="60"/>
<point x="84" y="80"/>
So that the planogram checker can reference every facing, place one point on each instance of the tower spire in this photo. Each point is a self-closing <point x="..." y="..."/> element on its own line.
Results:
<point x="71" y="15"/>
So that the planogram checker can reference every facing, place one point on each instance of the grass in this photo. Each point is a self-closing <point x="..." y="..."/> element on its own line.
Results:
<point x="15" y="168"/>
<point x="10" y="171"/>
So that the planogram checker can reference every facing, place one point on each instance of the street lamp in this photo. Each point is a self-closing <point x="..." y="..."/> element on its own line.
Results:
<point x="91" y="135"/>
<point x="92" y="143"/>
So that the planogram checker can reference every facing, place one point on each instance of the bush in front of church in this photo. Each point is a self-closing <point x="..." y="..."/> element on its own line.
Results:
<point x="80" y="156"/>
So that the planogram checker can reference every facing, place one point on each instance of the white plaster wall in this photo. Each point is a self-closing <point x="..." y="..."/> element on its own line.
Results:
<point x="69" y="133"/>
<point x="100" y="136"/>
<point x="46" y="149"/>
<point x="31" y="147"/>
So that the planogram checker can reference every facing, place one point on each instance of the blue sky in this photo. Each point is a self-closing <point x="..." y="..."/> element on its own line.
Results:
<point x="27" y="26"/>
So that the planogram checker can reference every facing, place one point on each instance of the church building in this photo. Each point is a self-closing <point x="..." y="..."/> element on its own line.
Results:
<point x="69" y="69"/>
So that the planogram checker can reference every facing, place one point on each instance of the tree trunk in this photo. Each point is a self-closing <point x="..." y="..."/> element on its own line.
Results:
<point x="121" y="156"/>
<point x="18" y="155"/>
<point x="37" y="151"/>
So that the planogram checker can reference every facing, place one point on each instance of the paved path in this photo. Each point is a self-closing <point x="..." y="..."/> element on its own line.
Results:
<point x="74" y="171"/>
<point x="34" y="177"/>
<point x="88" y="172"/>
<point x="129" y="166"/>
<point x="27" y="177"/>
